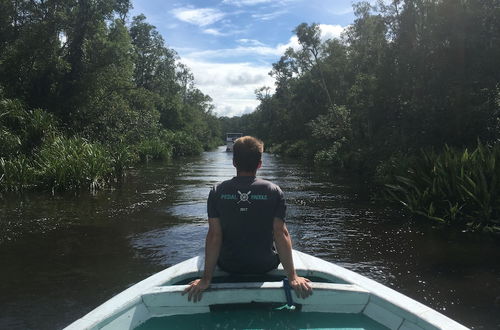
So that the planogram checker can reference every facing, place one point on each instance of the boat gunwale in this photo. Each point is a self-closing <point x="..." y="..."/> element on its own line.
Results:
<point x="408" y="309"/>
<point x="342" y="298"/>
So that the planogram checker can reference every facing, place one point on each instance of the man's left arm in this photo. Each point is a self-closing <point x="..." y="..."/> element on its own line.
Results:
<point x="301" y="285"/>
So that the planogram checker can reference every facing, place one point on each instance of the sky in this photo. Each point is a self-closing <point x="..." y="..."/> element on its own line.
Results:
<point x="230" y="45"/>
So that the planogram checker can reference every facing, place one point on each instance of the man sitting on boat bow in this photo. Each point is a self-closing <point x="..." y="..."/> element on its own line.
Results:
<point x="246" y="218"/>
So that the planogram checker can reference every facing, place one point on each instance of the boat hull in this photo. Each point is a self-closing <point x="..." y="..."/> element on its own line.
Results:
<point x="340" y="291"/>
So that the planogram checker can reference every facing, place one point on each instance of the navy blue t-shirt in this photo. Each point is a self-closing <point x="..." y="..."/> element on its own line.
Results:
<point x="246" y="207"/>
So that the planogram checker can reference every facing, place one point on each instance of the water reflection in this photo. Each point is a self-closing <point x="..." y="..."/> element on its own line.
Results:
<point x="168" y="246"/>
<point x="63" y="255"/>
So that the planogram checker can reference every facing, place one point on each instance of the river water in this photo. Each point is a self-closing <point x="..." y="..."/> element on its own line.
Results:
<point x="62" y="255"/>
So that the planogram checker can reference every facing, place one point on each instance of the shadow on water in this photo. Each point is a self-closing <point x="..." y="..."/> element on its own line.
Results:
<point x="63" y="255"/>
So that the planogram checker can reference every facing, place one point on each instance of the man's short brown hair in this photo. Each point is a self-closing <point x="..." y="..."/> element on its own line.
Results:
<point x="247" y="153"/>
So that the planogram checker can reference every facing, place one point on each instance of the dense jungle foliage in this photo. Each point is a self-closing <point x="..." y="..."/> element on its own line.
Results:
<point x="83" y="95"/>
<point x="399" y="98"/>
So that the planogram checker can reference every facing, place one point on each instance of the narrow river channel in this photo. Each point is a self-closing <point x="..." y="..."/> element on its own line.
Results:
<point x="62" y="255"/>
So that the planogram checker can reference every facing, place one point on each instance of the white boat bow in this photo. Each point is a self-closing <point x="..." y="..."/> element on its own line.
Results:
<point x="341" y="291"/>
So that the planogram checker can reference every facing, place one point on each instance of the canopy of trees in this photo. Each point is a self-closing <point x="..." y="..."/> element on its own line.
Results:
<point x="406" y="74"/>
<point x="95" y="77"/>
<point x="407" y="78"/>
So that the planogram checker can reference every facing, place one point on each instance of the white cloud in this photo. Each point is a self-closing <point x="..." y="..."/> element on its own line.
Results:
<point x="63" y="38"/>
<point x="241" y="3"/>
<point x="213" y="32"/>
<point x="326" y="32"/>
<point x="228" y="31"/>
<point x="272" y="3"/>
<point x="269" y="16"/>
<point x="231" y="85"/>
<point x="330" y="31"/>
<point x="254" y="48"/>
<point x="250" y="42"/>
<point x="199" y="16"/>
<point x="292" y="43"/>
<point x="245" y="78"/>
<point x="228" y="53"/>
<point x="249" y="48"/>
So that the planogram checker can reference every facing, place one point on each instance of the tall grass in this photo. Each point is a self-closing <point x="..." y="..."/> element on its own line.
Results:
<point x="122" y="156"/>
<point x="71" y="163"/>
<point x="169" y="144"/>
<point x="61" y="164"/>
<point x="154" y="149"/>
<point x="12" y="121"/>
<point x="183" y="144"/>
<point x="17" y="174"/>
<point x="35" y="155"/>
<point x="67" y="163"/>
<point x="456" y="187"/>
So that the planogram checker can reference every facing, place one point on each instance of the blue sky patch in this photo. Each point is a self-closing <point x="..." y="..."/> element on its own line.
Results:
<point x="230" y="45"/>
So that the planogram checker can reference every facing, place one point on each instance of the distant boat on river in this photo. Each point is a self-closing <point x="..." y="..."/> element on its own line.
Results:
<point x="338" y="293"/>
<point x="230" y="138"/>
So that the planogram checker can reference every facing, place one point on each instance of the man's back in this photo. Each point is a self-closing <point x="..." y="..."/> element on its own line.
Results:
<point x="246" y="207"/>
<point x="245" y="215"/>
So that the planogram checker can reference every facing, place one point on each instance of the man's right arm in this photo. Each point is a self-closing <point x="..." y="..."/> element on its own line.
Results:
<point x="213" y="244"/>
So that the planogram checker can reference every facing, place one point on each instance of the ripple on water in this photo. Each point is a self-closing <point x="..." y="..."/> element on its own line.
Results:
<point x="190" y="193"/>
<point x="188" y="211"/>
<point x="168" y="246"/>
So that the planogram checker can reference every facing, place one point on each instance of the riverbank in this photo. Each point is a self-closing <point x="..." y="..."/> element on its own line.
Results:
<point x="36" y="154"/>
<point x="453" y="187"/>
